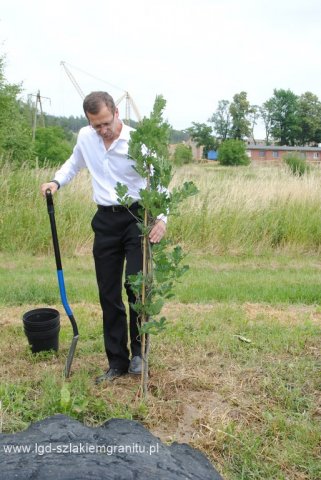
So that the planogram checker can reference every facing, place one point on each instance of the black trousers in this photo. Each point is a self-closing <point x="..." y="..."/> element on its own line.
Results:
<point x="117" y="238"/>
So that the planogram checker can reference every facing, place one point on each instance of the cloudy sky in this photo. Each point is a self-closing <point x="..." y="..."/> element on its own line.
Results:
<point x="194" y="52"/>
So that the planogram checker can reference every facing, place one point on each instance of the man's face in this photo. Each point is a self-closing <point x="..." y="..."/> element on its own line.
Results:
<point x="104" y="122"/>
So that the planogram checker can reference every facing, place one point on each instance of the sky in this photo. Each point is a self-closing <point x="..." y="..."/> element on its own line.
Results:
<point x="193" y="52"/>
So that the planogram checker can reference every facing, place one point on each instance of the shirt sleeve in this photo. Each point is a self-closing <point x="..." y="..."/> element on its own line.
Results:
<point x="71" y="167"/>
<point x="162" y="217"/>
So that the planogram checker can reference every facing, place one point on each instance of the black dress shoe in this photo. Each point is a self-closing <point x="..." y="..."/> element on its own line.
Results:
<point x="135" y="366"/>
<point x="110" y="375"/>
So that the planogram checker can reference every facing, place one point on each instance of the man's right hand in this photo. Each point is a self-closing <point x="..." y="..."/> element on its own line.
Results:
<point x="52" y="186"/>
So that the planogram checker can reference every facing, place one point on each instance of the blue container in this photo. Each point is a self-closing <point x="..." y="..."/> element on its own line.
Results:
<point x="212" y="155"/>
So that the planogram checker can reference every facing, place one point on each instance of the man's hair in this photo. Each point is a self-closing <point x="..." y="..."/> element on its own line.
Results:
<point x="96" y="100"/>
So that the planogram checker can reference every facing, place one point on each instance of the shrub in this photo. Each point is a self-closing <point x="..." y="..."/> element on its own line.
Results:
<point x="183" y="154"/>
<point x="296" y="164"/>
<point x="233" y="152"/>
<point x="51" y="146"/>
<point x="15" y="134"/>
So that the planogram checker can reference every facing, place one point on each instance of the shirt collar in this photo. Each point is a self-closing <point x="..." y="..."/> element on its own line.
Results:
<point x="125" y="132"/>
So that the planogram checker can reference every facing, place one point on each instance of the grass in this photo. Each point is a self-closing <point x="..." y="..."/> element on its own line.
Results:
<point x="239" y="210"/>
<point x="24" y="212"/>
<point x="249" y="210"/>
<point x="272" y="279"/>
<point x="234" y="375"/>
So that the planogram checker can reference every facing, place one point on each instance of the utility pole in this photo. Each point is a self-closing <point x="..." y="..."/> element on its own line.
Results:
<point x="34" y="125"/>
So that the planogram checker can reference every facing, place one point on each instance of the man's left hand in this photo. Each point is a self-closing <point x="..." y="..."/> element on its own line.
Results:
<point x="157" y="232"/>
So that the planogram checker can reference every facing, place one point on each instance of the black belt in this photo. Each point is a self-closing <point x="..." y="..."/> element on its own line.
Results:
<point x="118" y="208"/>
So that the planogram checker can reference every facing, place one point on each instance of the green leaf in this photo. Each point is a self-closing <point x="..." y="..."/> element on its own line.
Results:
<point x="155" y="307"/>
<point x="153" y="326"/>
<point x="122" y="196"/>
<point x="65" y="396"/>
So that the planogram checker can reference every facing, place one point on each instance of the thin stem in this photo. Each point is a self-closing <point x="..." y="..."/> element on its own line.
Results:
<point x="144" y="319"/>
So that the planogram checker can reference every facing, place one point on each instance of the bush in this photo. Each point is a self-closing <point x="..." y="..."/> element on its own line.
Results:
<point x="183" y="154"/>
<point x="233" y="152"/>
<point x="297" y="164"/>
<point x="15" y="134"/>
<point x="51" y="146"/>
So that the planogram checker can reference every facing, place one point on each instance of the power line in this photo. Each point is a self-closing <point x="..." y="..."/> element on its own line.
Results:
<point x="129" y="100"/>
<point x="93" y="76"/>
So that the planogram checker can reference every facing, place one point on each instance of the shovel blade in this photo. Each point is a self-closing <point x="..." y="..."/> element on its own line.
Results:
<point x="71" y="355"/>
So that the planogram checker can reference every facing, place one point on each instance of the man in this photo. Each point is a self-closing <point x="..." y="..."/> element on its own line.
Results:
<point x="102" y="147"/>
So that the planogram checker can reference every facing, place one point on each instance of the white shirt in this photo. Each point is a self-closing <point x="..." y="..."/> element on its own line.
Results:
<point x="106" y="166"/>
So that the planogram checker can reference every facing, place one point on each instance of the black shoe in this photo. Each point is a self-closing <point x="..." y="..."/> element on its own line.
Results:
<point x="110" y="375"/>
<point x="135" y="366"/>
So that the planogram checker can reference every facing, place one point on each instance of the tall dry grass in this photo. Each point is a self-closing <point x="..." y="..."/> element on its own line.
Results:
<point x="244" y="210"/>
<point x="24" y="223"/>
<point x="250" y="209"/>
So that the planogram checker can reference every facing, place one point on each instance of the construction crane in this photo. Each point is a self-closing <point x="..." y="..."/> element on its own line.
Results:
<point x="130" y="104"/>
<point x="72" y="79"/>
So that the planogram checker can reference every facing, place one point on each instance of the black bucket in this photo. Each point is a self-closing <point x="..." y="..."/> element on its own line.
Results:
<point x="42" y="327"/>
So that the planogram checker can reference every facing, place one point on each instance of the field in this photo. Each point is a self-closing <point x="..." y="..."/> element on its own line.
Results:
<point x="237" y="371"/>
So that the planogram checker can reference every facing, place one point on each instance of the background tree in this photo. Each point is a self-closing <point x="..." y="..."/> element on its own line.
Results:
<point x="233" y="152"/>
<point x="240" y="110"/>
<point x="51" y="146"/>
<point x="178" y="136"/>
<point x="266" y="115"/>
<point x="15" y="133"/>
<point x="221" y="120"/>
<point x="254" y="115"/>
<point x="69" y="124"/>
<point x="309" y="119"/>
<point x="202" y="135"/>
<point x="284" y="113"/>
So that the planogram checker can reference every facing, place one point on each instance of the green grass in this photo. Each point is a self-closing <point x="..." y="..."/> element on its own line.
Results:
<point x="28" y="279"/>
<point x="271" y="279"/>
<point x="264" y="421"/>
<point x="29" y="401"/>
<point x="272" y="386"/>
<point x="238" y="367"/>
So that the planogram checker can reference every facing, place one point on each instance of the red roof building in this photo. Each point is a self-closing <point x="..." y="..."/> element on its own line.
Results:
<point x="264" y="153"/>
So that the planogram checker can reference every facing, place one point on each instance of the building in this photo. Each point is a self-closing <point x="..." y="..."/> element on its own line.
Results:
<point x="259" y="153"/>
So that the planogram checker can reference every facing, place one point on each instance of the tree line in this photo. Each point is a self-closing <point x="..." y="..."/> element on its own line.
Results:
<point x="288" y="119"/>
<point x="51" y="143"/>
<point x="20" y="142"/>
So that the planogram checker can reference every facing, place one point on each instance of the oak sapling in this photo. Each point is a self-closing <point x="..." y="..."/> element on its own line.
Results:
<point x="161" y="263"/>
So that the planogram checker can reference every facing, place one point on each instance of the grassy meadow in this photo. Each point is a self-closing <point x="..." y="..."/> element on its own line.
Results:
<point x="236" y="373"/>
<point x="239" y="211"/>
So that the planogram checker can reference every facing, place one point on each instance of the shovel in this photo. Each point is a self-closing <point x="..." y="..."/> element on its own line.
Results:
<point x="61" y="283"/>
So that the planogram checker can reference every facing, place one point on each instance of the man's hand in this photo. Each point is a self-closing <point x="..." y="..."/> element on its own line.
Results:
<point x="52" y="186"/>
<point x="157" y="232"/>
